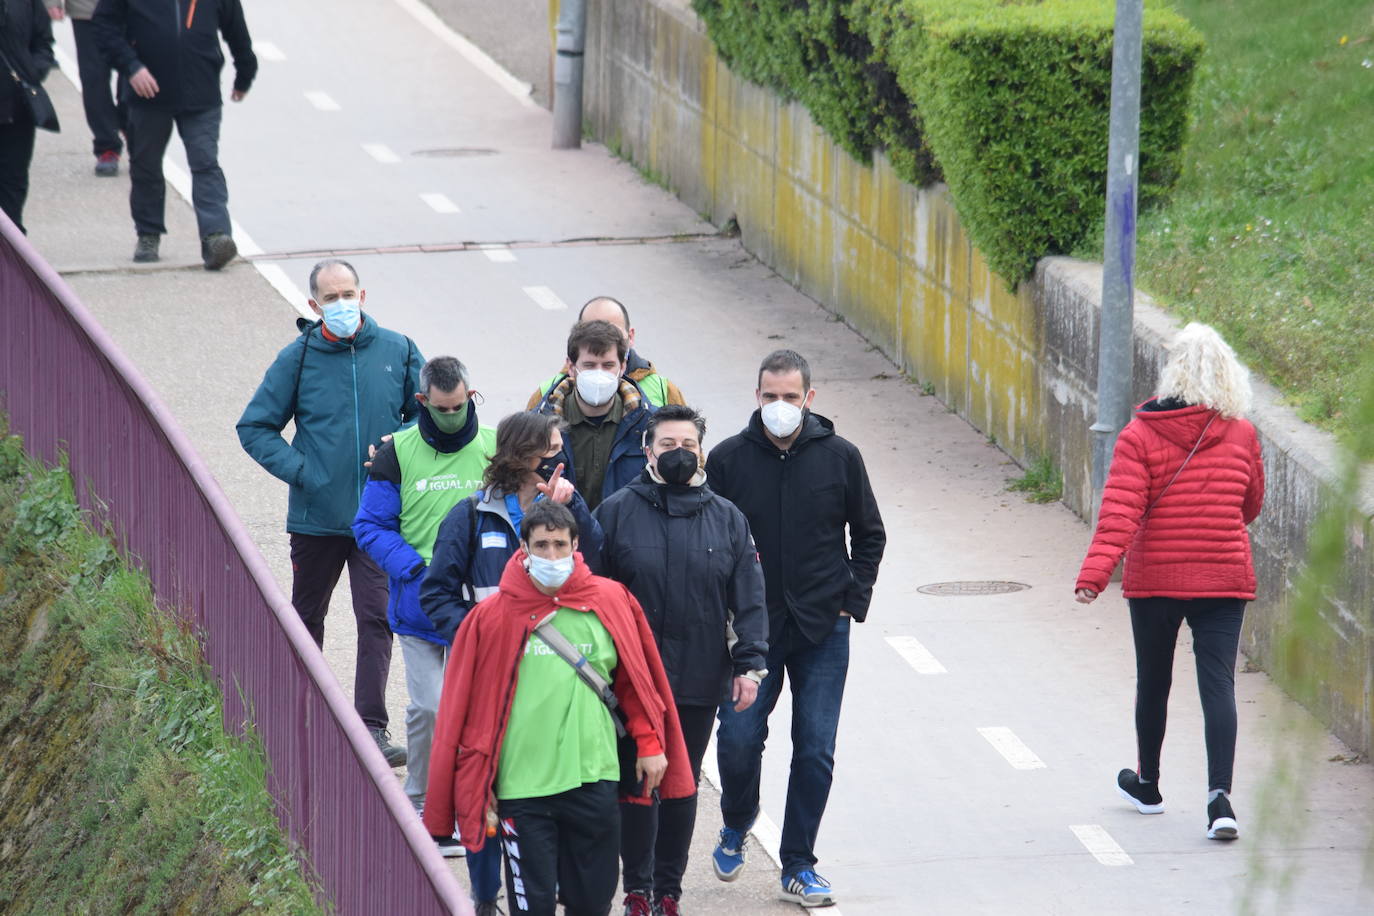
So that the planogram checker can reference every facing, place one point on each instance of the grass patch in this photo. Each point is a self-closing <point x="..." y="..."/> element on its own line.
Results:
<point x="1267" y="235"/>
<point x="120" y="791"/>
<point x="1042" y="482"/>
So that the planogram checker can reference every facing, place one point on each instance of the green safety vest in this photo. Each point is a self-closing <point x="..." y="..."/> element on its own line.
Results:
<point x="433" y="482"/>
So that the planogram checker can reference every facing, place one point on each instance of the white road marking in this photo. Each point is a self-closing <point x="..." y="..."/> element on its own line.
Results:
<point x="322" y="100"/>
<point x="1100" y="843"/>
<point x="289" y="291"/>
<point x="499" y="254"/>
<point x="545" y="298"/>
<point x="268" y="51"/>
<point x="1012" y="748"/>
<point x="439" y="203"/>
<point x="382" y="153"/>
<point x="474" y="55"/>
<point x="916" y="655"/>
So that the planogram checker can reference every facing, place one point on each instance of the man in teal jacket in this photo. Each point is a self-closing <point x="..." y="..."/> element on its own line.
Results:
<point x="346" y="382"/>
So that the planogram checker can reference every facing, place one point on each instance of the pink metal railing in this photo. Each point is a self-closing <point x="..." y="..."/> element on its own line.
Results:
<point x="68" y="389"/>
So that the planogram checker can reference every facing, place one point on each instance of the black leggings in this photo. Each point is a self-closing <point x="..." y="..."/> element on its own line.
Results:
<point x="1215" y="623"/>
<point x="655" y="839"/>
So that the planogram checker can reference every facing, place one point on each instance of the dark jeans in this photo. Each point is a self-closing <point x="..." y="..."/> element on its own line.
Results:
<point x="1215" y="623"/>
<point x="484" y="871"/>
<point x="817" y="674"/>
<point x="562" y="849"/>
<point x="16" y="152"/>
<point x="656" y="839"/>
<point x="316" y="563"/>
<point x="103" y="116"/>
<point x="150" y="130"/>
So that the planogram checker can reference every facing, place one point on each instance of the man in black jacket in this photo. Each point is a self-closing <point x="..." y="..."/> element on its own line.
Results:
<point x="26" y="40"/>
<point x="687" y="557"/>
<point x="800" y="486"/>
<point x="169" y="52"/>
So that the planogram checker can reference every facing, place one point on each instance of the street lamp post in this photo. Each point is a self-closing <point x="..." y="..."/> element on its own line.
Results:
<point x="1115" y="357"/>
<point x="567" y="74"/>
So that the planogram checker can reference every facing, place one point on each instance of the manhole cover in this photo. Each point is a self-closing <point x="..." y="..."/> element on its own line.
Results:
<point x="983" y="587"/>
<point x="455" y="152"/>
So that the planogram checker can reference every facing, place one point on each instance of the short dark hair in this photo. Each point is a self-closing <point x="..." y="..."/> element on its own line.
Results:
<point x="596" y="338"/>
<point x="782" y="361"/>
<point x="547" y="514"/>
<point x="445" y="373"/>
<point x="671" y="413"/>
<point x="326" y="263"/>
<point x="625" y="313"/>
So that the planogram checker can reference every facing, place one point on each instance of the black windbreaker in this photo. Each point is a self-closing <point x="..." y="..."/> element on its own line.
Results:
<point x="178" y="41"/>
<point x="799" y="503"/>
<point x="687" y="557"/>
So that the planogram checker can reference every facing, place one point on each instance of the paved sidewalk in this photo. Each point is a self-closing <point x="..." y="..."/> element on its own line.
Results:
<point x="929" y="813"/>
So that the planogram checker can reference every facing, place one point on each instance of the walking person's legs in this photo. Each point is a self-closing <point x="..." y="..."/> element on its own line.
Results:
<point x="367" y="582"/>
<point x="677" y="817"/>
<point x="16" y="153"/>
<point x="149" y="131"/>
<point x="529" y="837"/>
<point x="1154" y="626"/>
<point x="1216" y="639"/>
<point x="818" y="674"/>
<point x="424" y="663"/>
<point x="102" y="114"/>
<point x="209" y="192"/>
<point x="316" y="563"/>
<point x="588" y="839"/>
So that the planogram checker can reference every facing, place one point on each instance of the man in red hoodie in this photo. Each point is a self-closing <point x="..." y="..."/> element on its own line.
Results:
<point x="520" y="734"/>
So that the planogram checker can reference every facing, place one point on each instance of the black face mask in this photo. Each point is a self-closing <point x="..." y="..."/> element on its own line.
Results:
<point x="677" y="466"/>
<point x="548" y="465"/>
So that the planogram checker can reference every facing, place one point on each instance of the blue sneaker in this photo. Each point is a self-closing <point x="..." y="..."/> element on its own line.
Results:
<point x="807" y="888"/>
<point x="728" y="857"/>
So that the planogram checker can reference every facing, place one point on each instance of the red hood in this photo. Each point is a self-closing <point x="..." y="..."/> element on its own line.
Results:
<point x="1182" y="427"/>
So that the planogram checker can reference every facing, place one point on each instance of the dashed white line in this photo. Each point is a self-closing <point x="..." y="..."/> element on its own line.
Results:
<point x="439" y="203"/>
<point x="382" y="153"/>
<point x="499" y="254"/>
<point x="916" y="655"/>
<point x="545" y="298"/>
<point x="1012" y="748"/>
<point x="475" y="56"/>
<point x="322" y="100"/>
<point x="1100" y="843"/>
<point x="268" y="51"/>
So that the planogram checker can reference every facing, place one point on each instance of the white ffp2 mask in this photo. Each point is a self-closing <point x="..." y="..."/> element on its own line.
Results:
<point x="781" y="418"/>
<point x="597" y="386"/>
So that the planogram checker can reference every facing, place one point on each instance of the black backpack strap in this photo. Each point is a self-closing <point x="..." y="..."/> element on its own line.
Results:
<point x="300" y="369"/>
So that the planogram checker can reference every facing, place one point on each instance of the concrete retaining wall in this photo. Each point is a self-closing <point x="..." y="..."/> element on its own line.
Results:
<point x="895" y="262"/>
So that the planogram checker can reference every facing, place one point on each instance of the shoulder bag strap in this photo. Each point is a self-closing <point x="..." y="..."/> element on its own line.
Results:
<point x="565" y="650"/>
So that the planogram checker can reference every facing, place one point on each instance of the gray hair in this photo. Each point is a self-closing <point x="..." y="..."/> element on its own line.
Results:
<point x="1202" y="369"/>
<point x="780" y="362"/>
<point x="328" y="262"/>
<point x="445" y="373"/>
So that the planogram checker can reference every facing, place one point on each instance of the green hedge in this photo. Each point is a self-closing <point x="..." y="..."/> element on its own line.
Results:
<point x="1006" y="101"/>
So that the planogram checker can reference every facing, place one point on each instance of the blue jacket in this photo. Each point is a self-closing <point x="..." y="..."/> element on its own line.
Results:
<point x="344" y="396"/>
<point x="627" y="459"/>
<point x="475" y="541"/>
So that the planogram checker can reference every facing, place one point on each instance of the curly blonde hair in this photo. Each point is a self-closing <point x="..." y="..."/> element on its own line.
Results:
<point x="1202" y="369"/>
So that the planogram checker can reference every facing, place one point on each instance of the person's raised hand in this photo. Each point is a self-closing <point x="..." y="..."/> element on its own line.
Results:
<point x="745" y="691"/>
<point x="557" y="489"/>
<point x="1085" y="596"/>
<point x="144" y="84"/>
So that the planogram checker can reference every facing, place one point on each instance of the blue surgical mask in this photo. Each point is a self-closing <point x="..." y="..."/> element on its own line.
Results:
<point x="550" y="573"/>
<point x="341" y="317"/>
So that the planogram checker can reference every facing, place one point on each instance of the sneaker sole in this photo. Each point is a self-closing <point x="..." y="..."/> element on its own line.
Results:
<point x="726" y="875"/>
<point x="1223" y="828"/>
<point x="814" y="900"/>
<point x="453" y="852"/>
<point x="1140" y="805"/>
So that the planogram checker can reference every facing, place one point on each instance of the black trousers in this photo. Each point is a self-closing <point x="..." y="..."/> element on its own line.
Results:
<point x="317" y="561"/>
<point x="16" y="152"/>
<point x="1215" y="623"/>
<point x="103" y="116"/>
<point x="150" y="130"/>
<point x="655" y="839"/>
<point x="561" y="849"/>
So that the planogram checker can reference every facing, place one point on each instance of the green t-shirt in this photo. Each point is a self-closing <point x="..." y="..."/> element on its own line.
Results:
<point x="560" y="734"/>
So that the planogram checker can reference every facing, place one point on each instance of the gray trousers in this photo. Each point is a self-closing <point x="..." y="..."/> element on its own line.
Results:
<point x="424" y="682"/>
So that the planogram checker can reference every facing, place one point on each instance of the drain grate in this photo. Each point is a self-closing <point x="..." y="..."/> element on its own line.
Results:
<point x="455" y="152"/>
<point x="976" y="587"/>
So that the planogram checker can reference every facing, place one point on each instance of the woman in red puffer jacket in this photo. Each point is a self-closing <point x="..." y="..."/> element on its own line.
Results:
<point x="1186" y="478"/>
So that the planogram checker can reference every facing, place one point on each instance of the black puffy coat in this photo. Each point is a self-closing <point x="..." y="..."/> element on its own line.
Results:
<point x="799" y="503"/>
<point x="687" y="557"/>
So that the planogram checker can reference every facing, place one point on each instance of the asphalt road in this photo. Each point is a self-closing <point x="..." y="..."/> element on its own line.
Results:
<point x="981" y="734"/>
